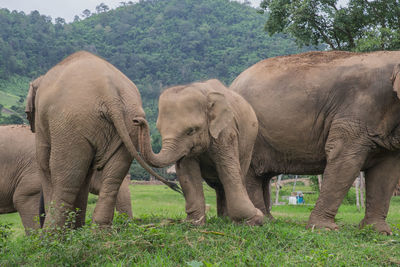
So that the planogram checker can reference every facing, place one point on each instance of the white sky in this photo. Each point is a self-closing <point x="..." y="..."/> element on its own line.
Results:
<point x="66" y="9"/>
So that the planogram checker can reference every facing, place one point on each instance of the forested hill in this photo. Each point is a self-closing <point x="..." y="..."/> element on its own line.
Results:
<point x="155" y="43"/>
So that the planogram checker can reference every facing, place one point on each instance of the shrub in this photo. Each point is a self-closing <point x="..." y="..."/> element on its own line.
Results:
<point x="5" y="233"/>
<point x="350" y="198"/>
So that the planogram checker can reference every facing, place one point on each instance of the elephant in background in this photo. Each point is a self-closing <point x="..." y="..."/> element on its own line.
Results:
<point x="335" y="113"/>
<point x="84" y="109"/>
<point x="20" y="180"/>
<point x="124" y="202"/>
<point x="209" y="132"/>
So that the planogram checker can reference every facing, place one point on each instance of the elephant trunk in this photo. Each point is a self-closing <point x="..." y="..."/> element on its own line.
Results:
<point x="168" y="154"/>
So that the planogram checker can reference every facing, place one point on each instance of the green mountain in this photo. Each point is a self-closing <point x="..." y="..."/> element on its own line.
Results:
<point x="156" y="43"/>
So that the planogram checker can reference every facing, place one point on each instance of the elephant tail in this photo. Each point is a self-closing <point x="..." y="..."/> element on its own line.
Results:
<point x="42" y="211"/>
<point x="396" y="79"/>
<point x="30" y="102"/>
<point x="118" y="120"/>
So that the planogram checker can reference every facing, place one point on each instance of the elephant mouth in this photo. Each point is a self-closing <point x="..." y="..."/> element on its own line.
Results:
<point x="197" y="150"/>
<point x="179" y="161"/>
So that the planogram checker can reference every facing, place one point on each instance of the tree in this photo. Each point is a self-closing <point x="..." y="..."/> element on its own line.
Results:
<point x="60" y="21"/>
<point x="12" y="119"/>
<point x="360" y="25"/>
<point x="86" y="13"/>
<point x="76" y="18"/>
<point x="102" y="8"/>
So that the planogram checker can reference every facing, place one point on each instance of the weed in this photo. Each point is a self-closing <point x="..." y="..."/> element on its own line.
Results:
<point x="151" y="239"/>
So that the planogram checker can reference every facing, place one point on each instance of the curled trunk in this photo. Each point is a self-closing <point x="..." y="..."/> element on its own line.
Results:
<point x="118" y="121"/>
<point x="168" y="154"/>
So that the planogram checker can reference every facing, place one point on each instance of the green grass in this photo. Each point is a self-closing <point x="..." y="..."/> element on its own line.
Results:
<point x="158" y="237"/>
<point x="13" y="90"/>
<point x="15" y="85"/>
<point x="8" y="100"/>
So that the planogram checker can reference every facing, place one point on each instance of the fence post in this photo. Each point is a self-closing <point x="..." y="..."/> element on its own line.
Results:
<point x="362" y="189"/>
<point x="357" y="196"/>
<point x="294" y="184"/>
<point x="278" y="181"/>
<point x="319" y="182"/>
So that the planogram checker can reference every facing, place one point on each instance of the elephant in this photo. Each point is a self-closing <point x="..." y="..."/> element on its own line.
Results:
<point x="21" y="182"/>
<point x="84" y="110"/>
<point x="30" y="102"/>
<point x="209" y="132"/>
<point x="335" y="113"/>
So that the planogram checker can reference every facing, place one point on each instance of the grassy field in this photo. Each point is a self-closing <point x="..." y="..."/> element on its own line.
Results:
<point x="159" y="237"/>
<point x="8" y="100"/>
<point x="13" y="91"/>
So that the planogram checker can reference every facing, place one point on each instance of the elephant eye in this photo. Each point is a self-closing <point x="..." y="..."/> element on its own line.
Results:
<point x="190" y="131"/>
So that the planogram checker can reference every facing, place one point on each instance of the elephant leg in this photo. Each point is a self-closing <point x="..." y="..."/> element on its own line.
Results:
<point x="254" y="186"/>
<point x="344" y="161"/>
<point x="69" y="168"/>
<point x="189" y="176"/>
<point x="43" y="161"/>
<point x="80" y="204"/>
<point x="26" y="201"/>
<point x="124" y="204"/>
<point x="380" y="182"/>
<point x="259" y="193"/>
<point x="113" y="174"/>
<point x="267" y="196"/>
<point x="226" y="157"/>
<point x="221" y="202"/>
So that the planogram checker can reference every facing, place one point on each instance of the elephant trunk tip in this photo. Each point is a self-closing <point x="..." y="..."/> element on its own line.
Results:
<point x="139" y="121"/>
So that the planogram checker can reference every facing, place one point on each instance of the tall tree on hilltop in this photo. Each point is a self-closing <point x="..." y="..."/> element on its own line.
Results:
<point x="361" y="25"/>
<point x="102" y="8"/>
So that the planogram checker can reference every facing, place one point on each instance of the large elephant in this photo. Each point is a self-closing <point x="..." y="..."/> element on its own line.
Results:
<point x="20" y="178"/>
<point x="209" y="132"/>
<point x="335" y="113"/>
<point x="84" y="110"/>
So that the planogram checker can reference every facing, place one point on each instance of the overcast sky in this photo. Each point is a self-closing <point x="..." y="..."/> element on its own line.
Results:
<point x="66" y="9"/>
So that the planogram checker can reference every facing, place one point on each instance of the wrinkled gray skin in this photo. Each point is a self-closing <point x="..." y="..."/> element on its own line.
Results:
<point x="84" y="110"/>
<point x="20" y="180"/>
<point x="123" y="203"/>
<point x="209" y="131"/>
<point x="334" y="113"/>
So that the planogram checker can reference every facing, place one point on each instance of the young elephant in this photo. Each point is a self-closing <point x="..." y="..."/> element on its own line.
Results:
<point x="209" y="132"/>
<point x="21" y="182"/>
<point x="84" y="109"/>
<point x="334" y="113"/>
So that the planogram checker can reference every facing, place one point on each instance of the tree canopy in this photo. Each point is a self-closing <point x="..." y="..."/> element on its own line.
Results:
<point x="156" y="43"/>
<point x="361" y="25"/>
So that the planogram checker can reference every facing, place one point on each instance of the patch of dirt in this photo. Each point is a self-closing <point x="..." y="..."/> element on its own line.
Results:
<point x="7" y="111"/>
<point x="16" y="126"/>
<point x="306" y="60"/>
<point x="306" y="181"/>
<point x="155" y="182"/>
<point x="316" y="57"/>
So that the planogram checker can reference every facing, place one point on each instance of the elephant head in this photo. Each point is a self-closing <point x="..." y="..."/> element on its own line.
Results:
<point x="189" y="118"/>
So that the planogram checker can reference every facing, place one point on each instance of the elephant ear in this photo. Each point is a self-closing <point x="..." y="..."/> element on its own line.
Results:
<point x="396" y="79"/>
<point x="219" y="113"/>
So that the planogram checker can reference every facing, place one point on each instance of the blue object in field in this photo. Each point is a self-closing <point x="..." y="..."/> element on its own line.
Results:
<point x="300" y="198"/>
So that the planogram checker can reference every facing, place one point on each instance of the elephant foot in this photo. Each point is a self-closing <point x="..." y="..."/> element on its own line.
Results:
<point x="257" y="219"/>
<point x="196" y="220"/>
<point x="316" y="222"/>
<point x="379" y="225"/>
<point x="269" y="217"/>
<point x="103" y="227"/>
